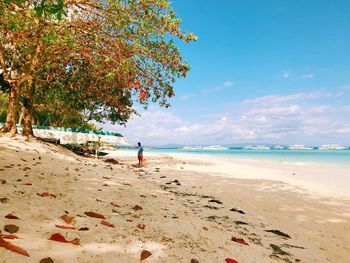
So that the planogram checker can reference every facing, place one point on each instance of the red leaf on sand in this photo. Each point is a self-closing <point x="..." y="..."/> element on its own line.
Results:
<point x="93" y="214"/>
<point x="13" y="247"/>
<point x="136" y="216"/>
<point x="43" y="194"/>
<point x="141" y="226"/>
<point x="65" y="227"/>
<point x="145" y="254"/>
<point x="193" y="260"/>
<point x="11" y="216"/>
<point x="103" y="222"/>
<point x="230" y="260"/>
<point x="239" y="240"/>
<point x="66" y="218"/>
<point x="137" y="207"/>
<point x="115" y="205"/>
<point x="46" y="260"/>
<point x="9" y="236"/>
<point x="27" y="184"/>
<point x="59" y="238"/>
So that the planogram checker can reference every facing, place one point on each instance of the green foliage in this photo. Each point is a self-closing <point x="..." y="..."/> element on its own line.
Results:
<point x="92" y="58"/>
<point x="3" y="106"/>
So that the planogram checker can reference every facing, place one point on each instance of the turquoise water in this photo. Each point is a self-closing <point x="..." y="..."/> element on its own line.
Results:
<point x="339" y="157"/>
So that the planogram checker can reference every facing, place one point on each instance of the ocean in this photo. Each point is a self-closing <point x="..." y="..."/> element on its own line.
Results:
<point x="297" y="157"/>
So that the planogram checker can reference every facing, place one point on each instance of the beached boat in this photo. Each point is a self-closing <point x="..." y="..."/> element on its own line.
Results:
<point x="76" y="136"/>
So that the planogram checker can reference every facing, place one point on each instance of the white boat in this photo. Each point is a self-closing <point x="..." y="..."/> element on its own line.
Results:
<point x="198" y="148"/>
<point x="299" y="147"/>
<point x="278" y="147"/>
<point x="258" y="147"/>
<point x="332" y="147"/>
<point x="215" y="147"/>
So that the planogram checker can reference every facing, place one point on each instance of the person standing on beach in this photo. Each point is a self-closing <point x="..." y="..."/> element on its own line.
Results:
<point x="140" y="153"/>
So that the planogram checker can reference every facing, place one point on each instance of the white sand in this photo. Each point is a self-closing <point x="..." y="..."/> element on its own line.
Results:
<point x="174" y="214"/>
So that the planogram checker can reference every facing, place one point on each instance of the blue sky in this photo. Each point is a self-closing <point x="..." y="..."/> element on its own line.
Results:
<point x="262" y="72"/>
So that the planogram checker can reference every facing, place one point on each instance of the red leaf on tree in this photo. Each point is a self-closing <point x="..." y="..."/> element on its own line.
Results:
<point x="145" y="254"/>
<point x="230" y="260"/>
<point x="13" y="247"/>
<point x="93" y="214"/>
<point x="59" y="238"/>
<point x="11" y="216"/>
<point x="103" y="222"/>
<point x="239" y="240"/>
<point x="66" y="218"/>
<point x="65" y="227"/>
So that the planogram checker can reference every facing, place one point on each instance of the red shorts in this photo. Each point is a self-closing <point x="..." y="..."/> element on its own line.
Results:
<point x="140" y="157"/>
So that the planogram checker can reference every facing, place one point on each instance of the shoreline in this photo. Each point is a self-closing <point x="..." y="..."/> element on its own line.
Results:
<point x="317" y="178"/>
<point x="186" y="213"/>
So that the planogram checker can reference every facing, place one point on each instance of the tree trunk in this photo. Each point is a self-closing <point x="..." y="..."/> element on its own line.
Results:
<point x="11" y="118"/>
<point x="28" y="113"/>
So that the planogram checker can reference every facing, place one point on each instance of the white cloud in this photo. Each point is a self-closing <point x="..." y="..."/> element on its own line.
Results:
<point x="224" y="86"/>
<point x="308" y="76"/>
<point x="273" y="99"/>
<point x="274" y="118"/>
<point x="286" y="75"/>
<point x="188" y="95"/>
<point x="228" y="83"/>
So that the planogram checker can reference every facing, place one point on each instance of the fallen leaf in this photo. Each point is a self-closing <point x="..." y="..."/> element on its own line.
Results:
<point x="129" y="220"/>
<point x="137" y="207"/>
<point x="59" y="238"/>
<point x="46" y="260"/>
<point x="43" y="194"/>
<point x="65" y="227"/>
<point x="12" y="247"/>
<point x="193" y="260"/>
<point x="145" y="254"/>
<point x="141" y="226"/>
<point x="11" y="228"/>
<point x="93" y="214"/>
<point x="205" y="228"/>
<point x="103" y="222"/>
<point x="9" y="236"/>
<point x="11" y="216"/>
<point x="136" y="216"/>
<point x="239" y="240"/>
<point x="83" y="229"/>
<point x="3" y="181"/>
<point x="27" y="184"/>
<point x="66" y="218"/>
<point x="114" y="204"/>
<point x="230" y="260"/>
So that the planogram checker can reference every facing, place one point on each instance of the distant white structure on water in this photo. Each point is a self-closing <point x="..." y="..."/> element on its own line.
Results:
<point x="299" y="147"/>
<point x="258" y="147"/>
<point x="211" y="147"/>
<point x="332" y="147"/>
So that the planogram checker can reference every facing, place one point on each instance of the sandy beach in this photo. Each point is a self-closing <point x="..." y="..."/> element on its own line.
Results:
<point x="177" y="207"/>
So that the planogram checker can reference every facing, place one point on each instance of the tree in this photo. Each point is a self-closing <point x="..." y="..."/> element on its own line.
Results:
<point x="97" y="54"/>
